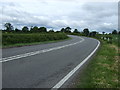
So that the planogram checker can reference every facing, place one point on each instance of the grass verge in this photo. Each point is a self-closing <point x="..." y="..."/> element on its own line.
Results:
<point x="102" y="71"/>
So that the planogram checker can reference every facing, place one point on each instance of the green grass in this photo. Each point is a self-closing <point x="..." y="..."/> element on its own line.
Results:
<point x="102" y="71"/>
<point x="15" y="39"/>
<point x="116" y="40"/>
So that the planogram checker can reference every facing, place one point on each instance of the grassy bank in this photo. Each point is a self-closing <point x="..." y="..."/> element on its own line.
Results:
<point x="11" y="40"/>
<point x="102" y="71"/>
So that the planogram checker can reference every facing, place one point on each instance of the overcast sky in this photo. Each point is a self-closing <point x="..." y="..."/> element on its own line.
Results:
<point x="56" y="14"/>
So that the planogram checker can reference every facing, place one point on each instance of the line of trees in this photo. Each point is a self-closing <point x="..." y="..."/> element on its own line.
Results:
<point x="34" y="29"/>
<point x="113" y="32"/>
<point x="25" y="29"/>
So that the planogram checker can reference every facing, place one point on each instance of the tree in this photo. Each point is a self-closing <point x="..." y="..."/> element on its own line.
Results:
<point x="17" y="30"/>
<point x="68" y="30"/>
<point x="86" y="31"/>
<point x="51" y="31"/>
<point x="119" y="32"/>
<point x="103" y="33"/>
<point x="114" y="32"/>
<point x="25" y="29"/>
<point x="42" y="29"/>
<point x="75" y="31"/>
<point x="35" y="29"/>
<point x="9" y="27"/>
<point x="93" y="34"/>
<point x="62" y="30"/>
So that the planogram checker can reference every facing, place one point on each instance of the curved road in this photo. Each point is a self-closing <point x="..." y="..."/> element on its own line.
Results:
<point x="45" y="65"/>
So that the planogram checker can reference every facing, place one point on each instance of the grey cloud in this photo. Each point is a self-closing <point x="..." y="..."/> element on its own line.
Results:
<point x="5" y="4"/>
<point x="99" y="13"/>
<point x="75" y="15"/>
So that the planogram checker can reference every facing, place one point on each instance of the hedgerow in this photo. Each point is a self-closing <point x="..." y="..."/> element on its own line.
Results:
<point x="10" y="39"/>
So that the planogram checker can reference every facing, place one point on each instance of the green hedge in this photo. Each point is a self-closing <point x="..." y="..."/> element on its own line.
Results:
<point x="10" y="39"/>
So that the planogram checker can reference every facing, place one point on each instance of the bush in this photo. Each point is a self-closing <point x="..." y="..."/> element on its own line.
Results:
<point x="10" y="39"/>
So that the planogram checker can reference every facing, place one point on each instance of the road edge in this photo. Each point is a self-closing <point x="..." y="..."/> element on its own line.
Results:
<point x="62" y="81"/>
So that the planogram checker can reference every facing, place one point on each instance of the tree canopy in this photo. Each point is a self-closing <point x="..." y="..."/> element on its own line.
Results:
<point x="114" y="32"/>
<point x="9" y="27"/>
<point x="25" y="29"/>
<point x="86" y="31"/>
<point x="75" y="31"/>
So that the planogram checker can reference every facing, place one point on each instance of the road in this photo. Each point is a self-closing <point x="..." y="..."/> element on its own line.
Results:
<point x="45" y="65"/>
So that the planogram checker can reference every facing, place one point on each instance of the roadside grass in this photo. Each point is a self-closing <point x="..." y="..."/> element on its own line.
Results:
<point x="102" y="71"/>
<point x="116" y="40"/>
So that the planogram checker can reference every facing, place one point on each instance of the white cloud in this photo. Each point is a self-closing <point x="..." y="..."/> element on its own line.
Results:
<point x="56" y="14"/>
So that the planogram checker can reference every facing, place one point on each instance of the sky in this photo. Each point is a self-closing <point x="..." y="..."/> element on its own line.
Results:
<point x="56" y="14"/>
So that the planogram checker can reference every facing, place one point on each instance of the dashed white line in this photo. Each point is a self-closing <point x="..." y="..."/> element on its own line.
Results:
<point x="61" y="82"/>
<point x="37" y="52"/>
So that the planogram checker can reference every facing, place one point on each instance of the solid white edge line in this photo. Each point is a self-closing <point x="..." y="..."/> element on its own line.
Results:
<point x="62" y="81"/>
<point x="37" y="52"/>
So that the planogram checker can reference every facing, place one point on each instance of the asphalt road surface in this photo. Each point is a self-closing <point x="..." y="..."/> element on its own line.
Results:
<point x="45" y="65"/>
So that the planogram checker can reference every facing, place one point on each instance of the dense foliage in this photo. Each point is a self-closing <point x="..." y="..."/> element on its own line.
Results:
<point x="40" y="34"/>
<point x="9" y="39"/>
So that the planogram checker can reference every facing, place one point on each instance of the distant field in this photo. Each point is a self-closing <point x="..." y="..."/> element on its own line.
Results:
<point x="20" y="39"/>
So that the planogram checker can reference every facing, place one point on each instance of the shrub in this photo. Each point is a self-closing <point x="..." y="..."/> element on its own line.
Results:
<point x="10" y="39"/>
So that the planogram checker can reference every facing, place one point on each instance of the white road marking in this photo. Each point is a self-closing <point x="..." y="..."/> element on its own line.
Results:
<point x="61" y="82"/>
<point x="37" y="52"/>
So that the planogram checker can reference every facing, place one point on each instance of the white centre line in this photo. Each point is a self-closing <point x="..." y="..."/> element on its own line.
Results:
<point x="37" y="52"/>
<point x="61" y="82"/>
